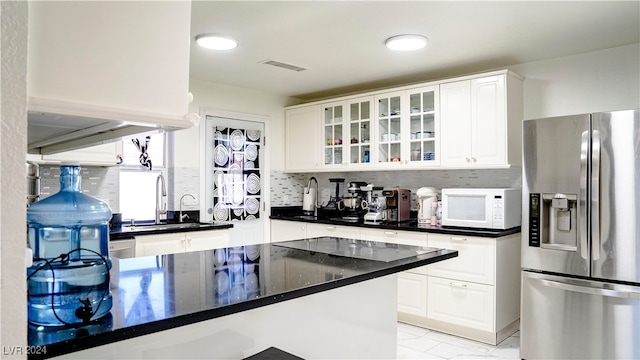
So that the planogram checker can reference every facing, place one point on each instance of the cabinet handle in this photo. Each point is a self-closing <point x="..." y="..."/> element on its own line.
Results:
<point x="468" y="159"/>
<point x="331" y="228"/>
<point x="189" y="239"/>
<point x="458" y="239"/>
<point x="473" y="159"/>
<point x="391" y="233"/>
<point x="457" y="285"/>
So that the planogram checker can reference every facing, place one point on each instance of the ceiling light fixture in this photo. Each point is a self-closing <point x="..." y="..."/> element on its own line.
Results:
<point x="406" y="42"/>
<point x="216" y="42"/>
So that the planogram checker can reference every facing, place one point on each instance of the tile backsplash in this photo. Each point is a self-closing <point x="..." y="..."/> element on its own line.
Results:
<point x="100" y="182"/>
<point x="287" y="188"/>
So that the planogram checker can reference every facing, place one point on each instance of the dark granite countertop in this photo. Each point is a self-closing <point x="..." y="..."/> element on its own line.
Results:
<point x="293" y="214"/>
<point x="127" y="232"/>
<point x="156" y="293"/>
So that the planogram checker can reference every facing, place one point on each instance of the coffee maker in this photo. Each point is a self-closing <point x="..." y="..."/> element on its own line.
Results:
<point x="331" y="209"/>
<point x="376" y="204"/>
<point x="398" y="205"/>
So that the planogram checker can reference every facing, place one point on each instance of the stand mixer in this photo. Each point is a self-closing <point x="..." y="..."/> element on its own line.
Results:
<point x="376" y="204"/>
<point x="352" y="203"/>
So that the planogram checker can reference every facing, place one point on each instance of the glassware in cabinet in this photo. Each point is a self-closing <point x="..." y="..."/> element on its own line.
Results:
<point x="360" y="130"/>
<point x="389" y="128"/>
<point x="423" y="125"/>
<point x="333" y="133"/>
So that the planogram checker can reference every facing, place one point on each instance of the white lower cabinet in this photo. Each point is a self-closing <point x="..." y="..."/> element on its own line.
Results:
<point x="461" y="303"/>
<point x="475" y="295"/>
<point x="282" y="230"/>
<point x="172" y="243"/>
<point x="412" y="294"/>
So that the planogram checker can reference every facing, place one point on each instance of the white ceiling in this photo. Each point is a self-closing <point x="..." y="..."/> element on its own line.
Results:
<point x="342" y="42"/>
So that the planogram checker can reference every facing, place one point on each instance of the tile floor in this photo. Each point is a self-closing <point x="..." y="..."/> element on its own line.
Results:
<point x="418" y="343"/>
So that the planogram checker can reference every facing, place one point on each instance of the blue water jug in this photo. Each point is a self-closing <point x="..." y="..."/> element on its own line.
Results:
<point x="68" y="233"/>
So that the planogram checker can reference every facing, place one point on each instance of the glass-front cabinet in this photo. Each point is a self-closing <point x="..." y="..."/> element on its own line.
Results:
<point x="407" y="128"/>
<point x="389" y="128"/>
<point x="333" y="123"/>
<point x="423" y="126"/>
<point x="360" y="112"/>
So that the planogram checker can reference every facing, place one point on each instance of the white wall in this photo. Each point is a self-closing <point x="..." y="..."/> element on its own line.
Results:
<point x="235" y="99"/>
<point x="597" y="81"/>
<point x="13" y="140"/>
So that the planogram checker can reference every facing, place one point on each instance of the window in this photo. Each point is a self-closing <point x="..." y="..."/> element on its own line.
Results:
<point x="137" y="183"/>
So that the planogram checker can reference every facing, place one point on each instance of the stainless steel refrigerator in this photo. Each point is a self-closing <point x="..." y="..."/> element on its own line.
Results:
<point x="581" y="237"/>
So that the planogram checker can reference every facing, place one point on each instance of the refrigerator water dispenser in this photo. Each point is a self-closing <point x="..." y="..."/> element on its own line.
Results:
<point x="553" y="221"/>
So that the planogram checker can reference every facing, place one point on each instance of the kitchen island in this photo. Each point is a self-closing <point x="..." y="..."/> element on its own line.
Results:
<point x="315" y="298"/>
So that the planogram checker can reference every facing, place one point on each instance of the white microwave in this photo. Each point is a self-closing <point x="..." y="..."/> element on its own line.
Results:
<point x="482" y="208"/>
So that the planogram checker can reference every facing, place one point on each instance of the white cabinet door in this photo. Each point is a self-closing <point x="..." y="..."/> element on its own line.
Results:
<point x="159" y="244"/>
<point x="412" y="294"/>
<point x="105" y="154"/>
<point x="319" y="230"/>
<point x="461" y="303"/>
<point x="474" y="122"/>
<point x="334" y="135"/>
<point x="302" y="138"/>
<point x="388" y="129"/>
<point x="359" y="123"/>
<point x="207" y="240"/>
<point x="455" y="123"/>
<point x="282" y="230"/>
<point x="488" y="121"/>
<point x="476" y="260"/>
<point x="422" y="131"/>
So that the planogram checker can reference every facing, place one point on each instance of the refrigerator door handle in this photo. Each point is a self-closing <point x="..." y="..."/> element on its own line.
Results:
<point x="591" y="290"/>
<point x="582" y="198"/>
<point x="595" y="195"/>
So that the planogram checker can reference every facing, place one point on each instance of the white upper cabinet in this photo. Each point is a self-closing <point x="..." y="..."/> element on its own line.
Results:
<point x="468" y="122"/>
<point x="302" y="138"/>
<point x="109" y="65"/>
<point x="481" y="121"/>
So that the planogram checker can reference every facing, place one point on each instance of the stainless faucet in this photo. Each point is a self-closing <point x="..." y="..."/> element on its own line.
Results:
<point x="315" y="206"/>
<point x="185" y="216"/>
<point x="161" y="190"/>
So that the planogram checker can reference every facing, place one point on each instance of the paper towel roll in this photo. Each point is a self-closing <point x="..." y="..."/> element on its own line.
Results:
<point x="309" y="200"/>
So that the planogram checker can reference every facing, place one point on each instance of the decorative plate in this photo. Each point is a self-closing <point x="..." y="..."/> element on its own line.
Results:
<point x="249" y="165"/>
<point x="253" y="135"/>
<point x="251" y="152"/>
<point x="253" y="184"/>
<point x="252" y="205"/>
<point x="237" y="140"/>
<point x="221" y="155"/>
<point x="220" y="213"/>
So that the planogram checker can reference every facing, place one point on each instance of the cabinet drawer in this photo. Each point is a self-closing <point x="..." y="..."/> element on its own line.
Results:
<point x="318" y="230"/>
<point x="461" y="303"/>
<point x="412" y="294"/>
<point x="397" y="237"/>
<point x="475" y="261"/>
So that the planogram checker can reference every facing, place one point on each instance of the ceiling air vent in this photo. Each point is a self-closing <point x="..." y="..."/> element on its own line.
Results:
<point x="283" y="65"/>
